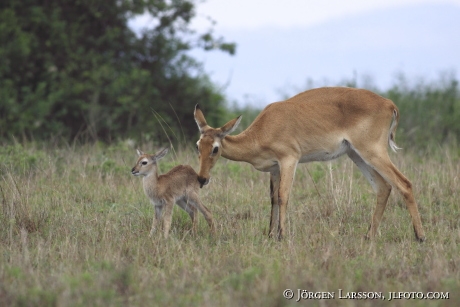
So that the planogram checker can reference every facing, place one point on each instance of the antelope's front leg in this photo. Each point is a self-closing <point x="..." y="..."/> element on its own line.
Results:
<point x="156" y="219"/>
<point x="287" y="171"/>
<point x="167" y="219"/>
<point x="274" y="189"/>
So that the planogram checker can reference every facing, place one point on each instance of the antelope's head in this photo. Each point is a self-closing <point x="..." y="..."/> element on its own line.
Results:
<point x="146" y="163"/>
<point x="209" y="145"/>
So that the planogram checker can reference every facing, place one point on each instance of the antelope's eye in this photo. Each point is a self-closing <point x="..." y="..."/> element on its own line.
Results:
<point x="215" y="150"/>
<point x="144" y="162"/>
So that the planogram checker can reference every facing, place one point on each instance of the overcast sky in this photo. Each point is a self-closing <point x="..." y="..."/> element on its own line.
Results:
<point x="251" y="14"/>
<point x="282" y="44"/>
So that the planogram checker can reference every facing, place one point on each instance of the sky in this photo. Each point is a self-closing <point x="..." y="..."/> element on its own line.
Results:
<point x="281" y="45"/>
<point x="252" y="14"/>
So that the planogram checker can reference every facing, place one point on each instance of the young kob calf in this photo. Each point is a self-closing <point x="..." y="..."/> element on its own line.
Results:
<point x="180" y="185"/>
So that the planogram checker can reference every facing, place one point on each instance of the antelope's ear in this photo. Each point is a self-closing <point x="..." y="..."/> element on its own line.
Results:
<point x="199" y="118"/>
<point x="139" y="152"/>
<point x="160" y="154"/>
<point x="230" y="126"/>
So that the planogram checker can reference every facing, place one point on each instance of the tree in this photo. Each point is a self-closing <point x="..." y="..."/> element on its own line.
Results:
<point x="74" y="68"/>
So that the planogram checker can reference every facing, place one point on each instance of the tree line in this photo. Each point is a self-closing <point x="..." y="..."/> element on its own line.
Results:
<point x="73" y="69"/>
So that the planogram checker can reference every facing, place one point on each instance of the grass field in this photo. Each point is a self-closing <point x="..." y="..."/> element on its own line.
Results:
<point x="74" y="227"/>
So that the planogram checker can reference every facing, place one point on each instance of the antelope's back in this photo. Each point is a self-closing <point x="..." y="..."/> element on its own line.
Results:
<point x="179" y="179"/>
<point x="320" y="116"/>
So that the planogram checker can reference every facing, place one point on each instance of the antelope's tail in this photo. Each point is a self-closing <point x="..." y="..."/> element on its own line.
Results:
<point x="391" y="136"/>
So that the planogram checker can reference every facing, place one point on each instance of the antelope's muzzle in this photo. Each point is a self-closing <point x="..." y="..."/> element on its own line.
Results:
<point x="202" y="181"/>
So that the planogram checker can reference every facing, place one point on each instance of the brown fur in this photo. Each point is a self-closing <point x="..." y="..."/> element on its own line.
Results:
<point x="178" y="186"/>
<point x="316" y="125"/>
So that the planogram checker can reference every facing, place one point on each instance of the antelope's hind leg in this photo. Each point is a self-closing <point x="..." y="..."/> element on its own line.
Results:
<point x="382" y="165"/>
<point x="195" y="201"/>
<point x="191" y="210"/>
<point x="381" y="188"/>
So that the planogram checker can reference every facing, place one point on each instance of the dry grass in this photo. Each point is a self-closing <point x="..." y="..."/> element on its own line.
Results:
<point x="74" y="230"/>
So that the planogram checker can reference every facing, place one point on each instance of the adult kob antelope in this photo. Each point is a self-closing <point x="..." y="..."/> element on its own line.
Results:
<point x="178" y="186"/>
<point x="316" y="125"/>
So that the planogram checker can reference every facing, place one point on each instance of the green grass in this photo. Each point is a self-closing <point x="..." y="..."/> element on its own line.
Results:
<point x="74" y="227"/>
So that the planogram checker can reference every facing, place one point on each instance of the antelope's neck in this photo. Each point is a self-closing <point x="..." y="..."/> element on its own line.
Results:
<point x="150" y="181"/>
<point x="241" y="147"/>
